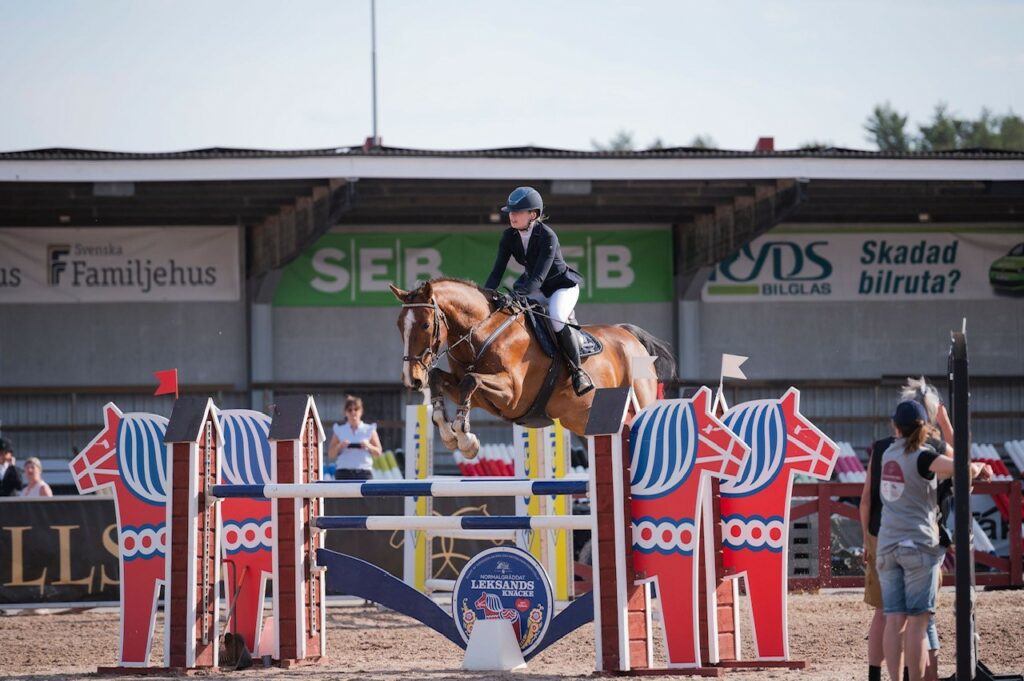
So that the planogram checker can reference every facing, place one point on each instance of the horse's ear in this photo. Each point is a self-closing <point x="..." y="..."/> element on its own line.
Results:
<point x="399" y="293"/>
<point x="701" y="399"/>
<point x="791" y="401"/>
<point x="111" y="415"/>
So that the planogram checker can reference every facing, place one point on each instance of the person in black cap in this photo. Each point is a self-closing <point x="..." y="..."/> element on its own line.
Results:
<point x="10" y="478"/>
<point x="922" y="392"/>
<point x="547" y="278"/>
<point x="909" y="553"/>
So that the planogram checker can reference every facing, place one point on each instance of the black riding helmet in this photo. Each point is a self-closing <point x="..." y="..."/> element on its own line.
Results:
<point x="524" y="198"/>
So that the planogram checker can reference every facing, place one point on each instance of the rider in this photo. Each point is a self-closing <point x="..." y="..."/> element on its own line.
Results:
<point x="547" y="279"/>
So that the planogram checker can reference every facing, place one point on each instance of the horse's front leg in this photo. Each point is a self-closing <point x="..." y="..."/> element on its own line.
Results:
<point x="469" y="444"/>
<point x="492" y="391"/>
<point x="441" y="383"/>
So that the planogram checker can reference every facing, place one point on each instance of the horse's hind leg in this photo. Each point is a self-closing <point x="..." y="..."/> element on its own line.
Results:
<point x="442" y="382"/>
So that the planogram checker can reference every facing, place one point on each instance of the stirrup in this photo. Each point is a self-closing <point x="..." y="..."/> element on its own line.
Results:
<point x="581" y="383"/>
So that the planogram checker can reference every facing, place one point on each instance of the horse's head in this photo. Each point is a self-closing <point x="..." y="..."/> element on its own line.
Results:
<point x="720" y="450"/>
<point x="673" y="438"/>
<point x="422" y="327"/>
<point x="809" y="450"/>
<point x="780" y="437"/>
<point x="95" y="466"/>
<point x="490" y="604"/>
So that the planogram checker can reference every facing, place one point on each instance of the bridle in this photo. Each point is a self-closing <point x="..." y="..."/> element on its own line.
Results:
<point x="434" y="350"/>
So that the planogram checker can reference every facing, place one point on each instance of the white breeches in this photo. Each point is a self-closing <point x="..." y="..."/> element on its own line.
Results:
<point x="560" y="305"/>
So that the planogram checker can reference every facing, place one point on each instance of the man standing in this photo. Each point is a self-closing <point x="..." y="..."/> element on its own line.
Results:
<point x="10" y="478"/>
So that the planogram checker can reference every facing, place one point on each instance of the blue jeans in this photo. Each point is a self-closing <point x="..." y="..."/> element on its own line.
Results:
<point x="909" y="577"/>
<point x="933" y="634"/>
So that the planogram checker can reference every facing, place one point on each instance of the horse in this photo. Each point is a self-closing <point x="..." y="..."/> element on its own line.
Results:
<point x="128" y="457"/>
<point x="498" y="365"/>
<point x="755" y="507"/>
<point x="247" y="526"/>
<point x="676" y="447"/>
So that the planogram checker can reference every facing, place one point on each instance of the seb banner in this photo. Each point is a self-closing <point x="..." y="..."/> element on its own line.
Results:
<point x="109" y="265"/>
<point x="633" y="266"/>
<point x="882" y="265"/>
<point x="62" y="550"/>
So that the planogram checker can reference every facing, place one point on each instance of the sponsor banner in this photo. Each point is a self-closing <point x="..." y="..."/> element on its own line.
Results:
<point x="884" y="265"/>
<point x="115" y="265"/>
<point x="507" y="584"/>
<point x="623" y="266"/>
<point x="62" y="550"/>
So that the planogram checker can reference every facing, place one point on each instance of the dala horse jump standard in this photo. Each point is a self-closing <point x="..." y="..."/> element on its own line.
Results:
<point x="128" y="456"/>
<point x="499" y="366"/>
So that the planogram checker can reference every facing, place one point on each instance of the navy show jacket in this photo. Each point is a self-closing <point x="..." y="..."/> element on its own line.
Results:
<point x="545" y="268"/>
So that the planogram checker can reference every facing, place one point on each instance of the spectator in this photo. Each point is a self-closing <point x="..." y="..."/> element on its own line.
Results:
<point x="871" y="512"/>
<point x="10" y="478"/>
<point x="354" y="444"/>
<point x="36" y="486"/>
<point x="909" y="554"/>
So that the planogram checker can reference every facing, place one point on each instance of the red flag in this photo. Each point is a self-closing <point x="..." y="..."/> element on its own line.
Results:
<point x="168" y="382"/>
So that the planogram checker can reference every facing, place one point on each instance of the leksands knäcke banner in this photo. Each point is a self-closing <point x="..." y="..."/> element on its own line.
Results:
<point x="901" y="264"/>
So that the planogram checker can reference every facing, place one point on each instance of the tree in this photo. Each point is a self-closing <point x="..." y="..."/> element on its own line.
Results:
<point x="620" y="141"/>
<point x="816" y="145"/>
<point x="945" y="131"/>
<point x="887" y="129"/>
<point x="982" y="133"/>
<point x="1011" y="132"/>
<point x="703" y="142"/>
<point x="944" y="134"/>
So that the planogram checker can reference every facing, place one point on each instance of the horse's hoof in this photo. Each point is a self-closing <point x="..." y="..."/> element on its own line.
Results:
<point x="448" y="439"/>
<point x="469" y="446"/>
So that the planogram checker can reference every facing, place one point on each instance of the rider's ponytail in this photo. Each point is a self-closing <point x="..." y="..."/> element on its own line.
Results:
<point x="916" y="435"/>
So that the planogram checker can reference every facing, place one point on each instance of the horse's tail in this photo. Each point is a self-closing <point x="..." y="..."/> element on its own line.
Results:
<point x="664" y="359"/>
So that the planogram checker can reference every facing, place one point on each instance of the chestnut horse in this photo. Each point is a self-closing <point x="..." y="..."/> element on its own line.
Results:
<point x="497" y="364"/>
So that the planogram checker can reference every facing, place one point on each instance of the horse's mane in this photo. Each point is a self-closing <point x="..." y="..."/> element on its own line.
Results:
<point x="447" y="280"/>
<point x="457" y="280"/>
<point x="461" y="300"/>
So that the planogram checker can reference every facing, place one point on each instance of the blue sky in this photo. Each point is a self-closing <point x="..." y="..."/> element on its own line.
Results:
<point x="136" y="76"/>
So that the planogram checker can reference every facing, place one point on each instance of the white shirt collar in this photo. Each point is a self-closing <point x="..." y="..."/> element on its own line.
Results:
<point x="524" y="234"/>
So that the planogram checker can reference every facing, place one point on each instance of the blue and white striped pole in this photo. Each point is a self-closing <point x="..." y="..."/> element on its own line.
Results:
<point x="465" y="522"/>
<point x="356" y="489"/>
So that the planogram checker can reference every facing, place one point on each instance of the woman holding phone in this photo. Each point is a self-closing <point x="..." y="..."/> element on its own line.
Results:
<point x="354" y="444"/>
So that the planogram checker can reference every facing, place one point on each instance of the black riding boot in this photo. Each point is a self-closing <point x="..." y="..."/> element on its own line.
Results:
<point x="581" y="383"/>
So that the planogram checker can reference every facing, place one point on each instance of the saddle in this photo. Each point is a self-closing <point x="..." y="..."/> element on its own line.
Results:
<point x="540" y="326"/>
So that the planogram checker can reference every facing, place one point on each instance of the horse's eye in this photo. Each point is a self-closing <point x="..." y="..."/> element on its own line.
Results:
<point x="425" y="326"/>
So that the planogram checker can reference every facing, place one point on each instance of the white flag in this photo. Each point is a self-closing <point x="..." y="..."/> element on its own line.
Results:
<point x="731" y="366"/>
<point x="643" y="367"/>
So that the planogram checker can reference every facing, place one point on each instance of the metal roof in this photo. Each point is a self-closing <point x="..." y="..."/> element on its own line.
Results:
<point x="59" y="153"/>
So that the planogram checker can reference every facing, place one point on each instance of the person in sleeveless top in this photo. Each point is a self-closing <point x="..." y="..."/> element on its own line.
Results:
<point x="547" y="279"/>
<point x="354" y="444"/>
<point x="35" y="486"/>
<point x="909" y="553"/>
<point x="871" y="512"/>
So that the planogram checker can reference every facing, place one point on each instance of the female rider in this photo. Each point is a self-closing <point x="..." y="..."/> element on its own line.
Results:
<point x="547" y="279"/>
